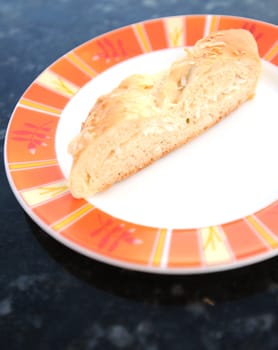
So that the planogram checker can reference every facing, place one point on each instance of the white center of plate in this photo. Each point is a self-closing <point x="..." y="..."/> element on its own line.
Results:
<point x="225" y="174"/>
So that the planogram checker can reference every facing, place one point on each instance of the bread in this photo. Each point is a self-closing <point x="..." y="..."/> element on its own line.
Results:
<point x="147" y="116"/>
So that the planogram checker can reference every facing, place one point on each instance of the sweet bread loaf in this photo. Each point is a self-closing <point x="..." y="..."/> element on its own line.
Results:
<point x="147" y="116"/>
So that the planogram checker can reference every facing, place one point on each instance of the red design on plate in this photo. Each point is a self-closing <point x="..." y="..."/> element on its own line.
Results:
<point x="111" y="50"/>
<point x="112" y="233"/>
<point x="253" y="29"/>
<point x="33" y="135"/>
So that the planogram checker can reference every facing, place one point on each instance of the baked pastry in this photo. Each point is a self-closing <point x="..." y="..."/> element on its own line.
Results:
<point x="147" y="116"/>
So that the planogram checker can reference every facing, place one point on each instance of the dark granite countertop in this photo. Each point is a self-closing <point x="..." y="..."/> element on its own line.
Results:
<point x="54" y="298"/>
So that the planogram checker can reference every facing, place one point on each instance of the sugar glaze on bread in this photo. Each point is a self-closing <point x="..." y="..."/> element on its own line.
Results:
<point x="148" y="116"/>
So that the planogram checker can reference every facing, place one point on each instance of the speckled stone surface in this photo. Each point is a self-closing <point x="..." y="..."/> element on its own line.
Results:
<point x="53" y="298"/>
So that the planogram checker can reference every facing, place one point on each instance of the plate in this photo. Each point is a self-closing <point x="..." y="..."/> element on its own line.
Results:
<point x="209" y="206"/>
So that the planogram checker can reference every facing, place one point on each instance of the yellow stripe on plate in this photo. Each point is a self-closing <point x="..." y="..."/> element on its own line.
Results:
<point x="159" y="247"/>
<point x="214" y="247"/>
<point x="258" y="227"/>
<point x="175" y="30"/>
<point x="72" y="217"/>
<point x="80" y="64"/>
<point x="44" y="193"/>
<point x="211" y="24"/>
<point x="57" y="83"/>
<point x="39" y="106"/>
<point x="144" y="40"/>
<point x="29" y="165"/>
<point x="273" y="51"/>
